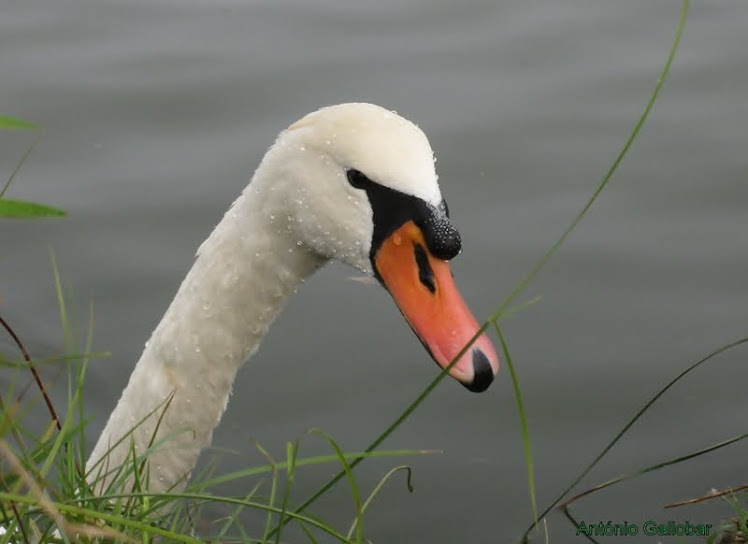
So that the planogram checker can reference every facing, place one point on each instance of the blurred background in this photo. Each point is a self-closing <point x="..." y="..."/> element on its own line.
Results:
<point x="155" y="114"/>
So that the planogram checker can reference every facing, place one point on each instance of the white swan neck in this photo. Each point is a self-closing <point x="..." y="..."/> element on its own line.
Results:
<point x="243" y="273"/>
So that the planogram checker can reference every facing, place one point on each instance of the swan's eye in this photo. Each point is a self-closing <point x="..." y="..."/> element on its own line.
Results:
<point x="391" y="209"/>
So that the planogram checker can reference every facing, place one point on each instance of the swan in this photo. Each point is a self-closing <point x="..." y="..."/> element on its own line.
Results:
<point x="353" y="182"/>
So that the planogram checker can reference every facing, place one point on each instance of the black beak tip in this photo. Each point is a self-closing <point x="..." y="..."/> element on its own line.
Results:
<point x="482" y="373"/>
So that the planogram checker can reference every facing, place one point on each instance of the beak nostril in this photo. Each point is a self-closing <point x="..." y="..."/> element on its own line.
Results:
<point x="425" y="272"/>
<point x="482" y="372"/>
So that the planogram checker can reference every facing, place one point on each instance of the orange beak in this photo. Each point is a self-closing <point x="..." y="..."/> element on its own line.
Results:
<point x="424" y="290"/>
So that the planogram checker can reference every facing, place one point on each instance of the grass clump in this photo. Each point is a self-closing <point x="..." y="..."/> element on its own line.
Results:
<point x="47" y="496"/>
<point x="733" y="530"/>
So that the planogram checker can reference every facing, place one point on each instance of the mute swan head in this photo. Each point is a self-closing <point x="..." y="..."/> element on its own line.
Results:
<point x="357" y="183"/>
<point x="352" y="182"/>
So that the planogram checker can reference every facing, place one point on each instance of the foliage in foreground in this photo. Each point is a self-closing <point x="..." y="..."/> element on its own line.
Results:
<point x="46" y="496"/>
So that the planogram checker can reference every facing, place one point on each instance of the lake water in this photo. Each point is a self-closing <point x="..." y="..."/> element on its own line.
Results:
<point x="156" y="113"/>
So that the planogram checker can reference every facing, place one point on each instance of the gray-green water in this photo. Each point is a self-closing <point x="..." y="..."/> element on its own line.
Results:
<point x="156" y="113"/>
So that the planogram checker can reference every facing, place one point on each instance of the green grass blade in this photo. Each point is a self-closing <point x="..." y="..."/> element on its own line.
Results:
<point x="613" y="167"/>
<point x="61" y="304"/>
<point x="307" y="461"/>
<point x="351" y="482"/>
<point x="651" y="468"/>
<point x="81" y="376"/>
<point x="376" y="490"/>
<point x="308" y="534"/>
<point x="13" y="123"/>
<point x="499" y="312"/>
<point x="292" y="452"/>
<point x="273" y="489"/>
<point x="523" y="423"/>
<point x="21" y="209"/>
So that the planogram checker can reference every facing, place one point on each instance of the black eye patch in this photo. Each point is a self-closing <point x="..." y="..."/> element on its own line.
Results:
<point x="392" y="209"/>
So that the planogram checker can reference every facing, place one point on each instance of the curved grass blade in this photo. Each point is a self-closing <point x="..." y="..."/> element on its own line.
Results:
<point x="714" y="447"/>
<point x="499" y="312"/>
<point x="376" y="490"/>
<point x="523" y="423"/>
<point x="306" y="461"/>
<point x="631" y="422"/>
<point x="358" y="522"/>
